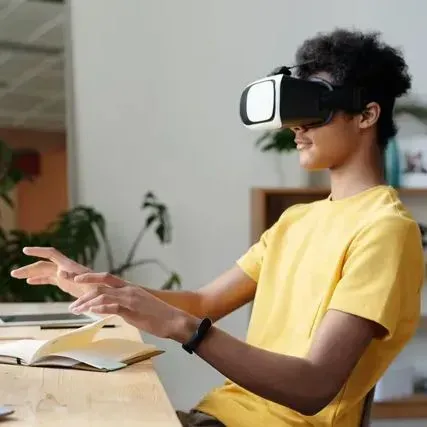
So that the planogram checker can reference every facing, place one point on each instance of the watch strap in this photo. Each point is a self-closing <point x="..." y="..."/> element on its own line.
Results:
<point x="191" y="345"/>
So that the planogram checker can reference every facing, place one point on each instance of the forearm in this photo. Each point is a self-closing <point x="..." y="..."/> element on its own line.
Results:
<point x="226" y="293"/>
<point x="289" y="381"/>
<point x="190" y="302"/>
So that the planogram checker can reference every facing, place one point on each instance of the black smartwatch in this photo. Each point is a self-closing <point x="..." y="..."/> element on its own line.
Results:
<point x="201" y="331"/>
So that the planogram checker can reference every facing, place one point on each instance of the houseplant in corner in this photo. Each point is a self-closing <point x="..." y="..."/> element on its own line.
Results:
<point x="79" y="233"/>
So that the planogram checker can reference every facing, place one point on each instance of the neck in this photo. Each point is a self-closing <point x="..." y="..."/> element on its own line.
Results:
<point x="358" y="174"/>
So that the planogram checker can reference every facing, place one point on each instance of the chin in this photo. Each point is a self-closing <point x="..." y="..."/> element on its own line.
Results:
<point x="311" y="162"/>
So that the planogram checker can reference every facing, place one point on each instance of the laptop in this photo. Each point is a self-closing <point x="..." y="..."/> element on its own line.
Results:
<point x="4" y="411"/>
<point x="47" y="319"/>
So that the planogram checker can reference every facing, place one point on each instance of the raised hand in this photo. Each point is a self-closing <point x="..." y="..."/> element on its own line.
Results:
<point x="112" y="295"/>
<point x="54" y="269"/>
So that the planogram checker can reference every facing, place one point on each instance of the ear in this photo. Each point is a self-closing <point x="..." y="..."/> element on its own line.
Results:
<point x="370" y="115"/>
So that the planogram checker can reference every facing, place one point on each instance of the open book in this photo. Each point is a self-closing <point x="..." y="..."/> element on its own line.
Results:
<point x="78" y="349"/>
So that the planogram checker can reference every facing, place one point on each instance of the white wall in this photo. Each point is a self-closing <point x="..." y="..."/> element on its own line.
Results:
<point x="157" y="86"/>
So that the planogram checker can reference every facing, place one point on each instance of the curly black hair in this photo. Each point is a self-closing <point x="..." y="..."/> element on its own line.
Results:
<point x="359" y="59"/>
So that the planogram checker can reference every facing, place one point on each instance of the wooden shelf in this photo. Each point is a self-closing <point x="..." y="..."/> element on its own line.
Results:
<point x="269" y="202"/>
<point x="413" y="191"/>
<point x="323" y="190"/>
<point x="413" y="407"/>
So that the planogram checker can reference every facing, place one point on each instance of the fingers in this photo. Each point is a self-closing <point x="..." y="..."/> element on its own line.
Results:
<point x="112" y="308"/>
<point x="56" y="257"/>
<point x="107" y="296"/>
<point x="51" y="254"/>
<point x="39" y="268"/>
<point x="101" y="278"/>
<point x="41" y="280"/>
<point x="100" y="293"/>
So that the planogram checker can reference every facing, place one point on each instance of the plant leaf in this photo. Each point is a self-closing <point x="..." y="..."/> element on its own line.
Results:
<point x="173" y="280"/>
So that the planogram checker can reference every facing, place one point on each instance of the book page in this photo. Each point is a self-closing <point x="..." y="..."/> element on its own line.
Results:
<point x="61" y="362"/>
<point x="109" y="353"/>
<point x="105" y="354"/>
<point x="71" y="340"/>
<point x="22" y="349"/>
<point x="118" y="349"/>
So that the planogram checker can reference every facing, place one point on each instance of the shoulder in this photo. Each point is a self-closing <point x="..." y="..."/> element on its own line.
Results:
<point x="390" y="226"/>
<point x="387" y="216"/>
<point x="392" y="243"/>
<point x="299" y="211"/>
<point x="390" y="236"/>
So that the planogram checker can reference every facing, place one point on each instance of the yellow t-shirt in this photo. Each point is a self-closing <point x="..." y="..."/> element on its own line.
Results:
<point x="361" y="255"/>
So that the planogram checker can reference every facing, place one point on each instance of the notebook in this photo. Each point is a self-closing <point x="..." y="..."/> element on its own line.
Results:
<point x="78" y="349"/>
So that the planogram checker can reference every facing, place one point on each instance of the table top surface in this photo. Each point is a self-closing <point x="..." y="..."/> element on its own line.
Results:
<point x="133" y="396"/>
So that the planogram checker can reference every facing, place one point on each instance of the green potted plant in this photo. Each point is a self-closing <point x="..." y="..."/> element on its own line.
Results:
<point x="280" y="141"/>
<point x="79" y="233"/>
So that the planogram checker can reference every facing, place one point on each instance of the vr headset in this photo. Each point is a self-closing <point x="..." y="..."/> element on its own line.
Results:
<point x="282" y="101"/>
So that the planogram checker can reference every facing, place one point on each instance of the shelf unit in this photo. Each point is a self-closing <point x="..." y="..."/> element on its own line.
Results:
<point x="413" y="407"/>
<point x="267" y="204"/>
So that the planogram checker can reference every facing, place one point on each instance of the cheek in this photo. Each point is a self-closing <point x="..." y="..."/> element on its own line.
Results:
<point x="332" y="141"/>
<point x="330" y="145"/>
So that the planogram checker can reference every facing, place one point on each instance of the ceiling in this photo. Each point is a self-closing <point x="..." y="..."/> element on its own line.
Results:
<point x="31" y="64"/>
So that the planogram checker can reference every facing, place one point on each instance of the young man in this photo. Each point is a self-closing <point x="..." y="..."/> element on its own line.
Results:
<point x="336" y="283"/>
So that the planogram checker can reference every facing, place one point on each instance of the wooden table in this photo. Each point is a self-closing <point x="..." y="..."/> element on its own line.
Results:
<point x="46" y="397"/>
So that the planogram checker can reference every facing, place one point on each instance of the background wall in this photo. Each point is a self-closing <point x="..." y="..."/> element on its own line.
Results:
<point x="156" y="107"/>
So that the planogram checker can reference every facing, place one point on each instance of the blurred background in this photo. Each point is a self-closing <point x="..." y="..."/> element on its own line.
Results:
<point x="112" y="112"/>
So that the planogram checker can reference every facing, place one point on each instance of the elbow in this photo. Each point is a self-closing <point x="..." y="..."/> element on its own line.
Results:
<point x="315" y="403"/>
<point x="319" y="391"/>
<point x="312" y="407"/>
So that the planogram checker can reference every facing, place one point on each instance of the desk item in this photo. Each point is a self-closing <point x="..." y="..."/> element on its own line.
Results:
<point x="15" y="338"/>
<point x="56" y="327"/>
<point x="78" y="349"/>
<point x="5" y="411"/>
<point x="47" y="319"/>
<point x="46" y="397"/>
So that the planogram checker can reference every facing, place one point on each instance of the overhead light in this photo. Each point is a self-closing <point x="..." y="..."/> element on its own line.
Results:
<point x="16" y="47"/>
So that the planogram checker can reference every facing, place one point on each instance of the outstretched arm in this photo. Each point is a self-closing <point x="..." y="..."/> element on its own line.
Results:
<point x="306" y="385"/>
<point x="303" y="384"/>
<point x="228" y="292"/>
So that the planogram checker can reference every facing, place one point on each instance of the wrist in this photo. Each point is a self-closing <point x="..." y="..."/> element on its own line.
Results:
<point x="183" y="327"/>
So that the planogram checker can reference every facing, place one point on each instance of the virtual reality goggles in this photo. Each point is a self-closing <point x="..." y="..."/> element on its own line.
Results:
<point x="282" y="101"/>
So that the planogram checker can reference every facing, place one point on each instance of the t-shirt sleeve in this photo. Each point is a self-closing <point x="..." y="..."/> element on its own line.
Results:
<point x="251" y="261"/>
<point x="382" y="274"/>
